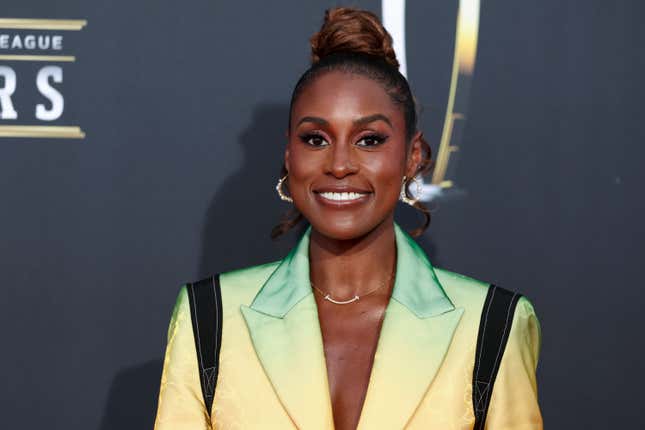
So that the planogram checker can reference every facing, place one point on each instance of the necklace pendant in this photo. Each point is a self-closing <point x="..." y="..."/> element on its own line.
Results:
<point x="341" y="302"/>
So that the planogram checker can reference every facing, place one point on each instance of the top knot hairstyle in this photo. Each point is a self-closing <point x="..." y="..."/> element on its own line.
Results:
<point x="352" y="30"/>
<point x="354" y="41"/>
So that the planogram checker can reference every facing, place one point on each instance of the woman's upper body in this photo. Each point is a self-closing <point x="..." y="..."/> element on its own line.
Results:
<point x="403" y="353"/>
<point x="273" y="371"/>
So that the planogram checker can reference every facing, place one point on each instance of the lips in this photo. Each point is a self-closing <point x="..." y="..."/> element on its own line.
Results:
<point x="341" y="195"/>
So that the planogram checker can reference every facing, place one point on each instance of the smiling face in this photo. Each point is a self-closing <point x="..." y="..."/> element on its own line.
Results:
<point x="347" y="154"/>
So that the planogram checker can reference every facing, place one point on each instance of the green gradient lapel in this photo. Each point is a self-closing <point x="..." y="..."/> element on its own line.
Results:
<point x="416" y="333"/>
<point x="284" y="327"/>
<point x="419" y="323"/>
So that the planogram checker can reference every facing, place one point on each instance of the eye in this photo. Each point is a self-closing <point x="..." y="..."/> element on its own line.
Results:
<point x="371" y="140"/>
<point x="314" y="139"/>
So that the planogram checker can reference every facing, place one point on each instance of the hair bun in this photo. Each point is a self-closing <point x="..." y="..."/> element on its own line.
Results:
<point x="352" y="30"/>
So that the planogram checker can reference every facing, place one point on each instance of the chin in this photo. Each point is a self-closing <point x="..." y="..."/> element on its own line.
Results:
<point x="344" y="229"/>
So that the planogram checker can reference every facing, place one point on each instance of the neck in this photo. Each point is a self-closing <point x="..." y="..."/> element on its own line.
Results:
<point x="345" y="268"/>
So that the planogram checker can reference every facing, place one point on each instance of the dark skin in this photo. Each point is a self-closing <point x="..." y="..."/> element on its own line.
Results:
<point x="346" y="132"/>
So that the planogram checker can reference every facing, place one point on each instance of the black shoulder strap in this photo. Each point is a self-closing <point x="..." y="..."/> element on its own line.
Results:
<point x="494" y="327"/>
<point x="205" y="299"/>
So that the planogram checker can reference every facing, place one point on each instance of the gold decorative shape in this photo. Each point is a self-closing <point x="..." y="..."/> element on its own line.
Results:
<point x="42" y="131"/>
<point x="463" y="65"/>
<point x="468" y="29"/>
<point x="50" y="58"/>
<point x="43" y="24"/>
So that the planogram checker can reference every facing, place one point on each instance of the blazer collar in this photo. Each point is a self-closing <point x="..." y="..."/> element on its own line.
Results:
<point x="417" y="330"/>
<point x="416" y="286"/>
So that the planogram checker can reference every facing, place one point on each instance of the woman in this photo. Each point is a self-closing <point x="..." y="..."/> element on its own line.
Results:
<point x="354" y="328"/>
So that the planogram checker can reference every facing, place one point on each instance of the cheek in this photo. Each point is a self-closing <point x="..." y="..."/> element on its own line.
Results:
<point x="387" y="172"/>
<point x="304" y="167"/>
<point x="302" y="163"/>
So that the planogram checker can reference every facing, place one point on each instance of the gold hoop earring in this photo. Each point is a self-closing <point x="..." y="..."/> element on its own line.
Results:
<point x="278" y="188"/>
<point x="404" y="197"/>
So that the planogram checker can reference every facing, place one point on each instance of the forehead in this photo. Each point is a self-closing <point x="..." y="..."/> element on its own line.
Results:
<point x="341" y="96"/>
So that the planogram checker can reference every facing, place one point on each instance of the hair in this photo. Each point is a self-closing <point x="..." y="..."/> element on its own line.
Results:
<point x="354" y="41"/>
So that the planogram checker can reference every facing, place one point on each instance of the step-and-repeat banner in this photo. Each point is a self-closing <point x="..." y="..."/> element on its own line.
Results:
<point x="140" y="144"/>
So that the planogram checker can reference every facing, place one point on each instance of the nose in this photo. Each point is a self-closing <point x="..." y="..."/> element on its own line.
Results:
<point x="340" y="160"/>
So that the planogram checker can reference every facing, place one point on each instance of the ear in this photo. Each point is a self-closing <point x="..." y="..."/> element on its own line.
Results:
<point x="415" y="153"/>
<point x="286" y="152"/>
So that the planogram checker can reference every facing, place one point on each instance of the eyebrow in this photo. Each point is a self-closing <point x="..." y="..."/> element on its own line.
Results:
<point x="372" y="118"/>
<point x="314" y="119"/>
<point x="360" y="121"/>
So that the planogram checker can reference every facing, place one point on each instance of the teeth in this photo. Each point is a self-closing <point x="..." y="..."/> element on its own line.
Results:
<point x="341" y="196"/>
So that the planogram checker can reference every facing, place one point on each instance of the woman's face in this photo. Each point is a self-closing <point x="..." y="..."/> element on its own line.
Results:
<point x="346" y="155"/>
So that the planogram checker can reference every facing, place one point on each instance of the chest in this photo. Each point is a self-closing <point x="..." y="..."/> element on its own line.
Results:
<point x="350" y="339"/>
<point x="276" y="374"/>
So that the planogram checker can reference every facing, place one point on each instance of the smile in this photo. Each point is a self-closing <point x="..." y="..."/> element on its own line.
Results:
<point x="342" y="200"/>
<point x="341" y="197"/>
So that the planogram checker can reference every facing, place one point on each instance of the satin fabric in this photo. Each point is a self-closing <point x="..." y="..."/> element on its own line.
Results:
<point x="272" y="366"/>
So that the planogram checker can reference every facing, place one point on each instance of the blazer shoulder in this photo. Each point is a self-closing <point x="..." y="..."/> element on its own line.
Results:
<point x="462" y="290"/>
<point x="470" y="294"/>
<point x="240" y="286"/>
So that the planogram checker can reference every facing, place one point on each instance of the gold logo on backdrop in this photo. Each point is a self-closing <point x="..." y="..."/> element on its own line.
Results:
<point x="44" y="46"/>
<point x="463" y="67"/>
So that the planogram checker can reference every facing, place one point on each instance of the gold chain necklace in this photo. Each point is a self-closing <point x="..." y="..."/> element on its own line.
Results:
<point x="328" y="297"/>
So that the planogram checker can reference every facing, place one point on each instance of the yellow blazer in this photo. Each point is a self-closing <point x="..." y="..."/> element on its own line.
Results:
<point x="273" y="374"/>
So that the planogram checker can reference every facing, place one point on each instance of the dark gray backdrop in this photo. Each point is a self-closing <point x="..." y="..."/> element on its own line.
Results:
<point x="184" y="106"/>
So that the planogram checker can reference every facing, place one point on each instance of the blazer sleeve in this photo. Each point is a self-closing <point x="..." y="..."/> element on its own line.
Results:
<point x="514" y="401"/>
<point x="181" y="405"/>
